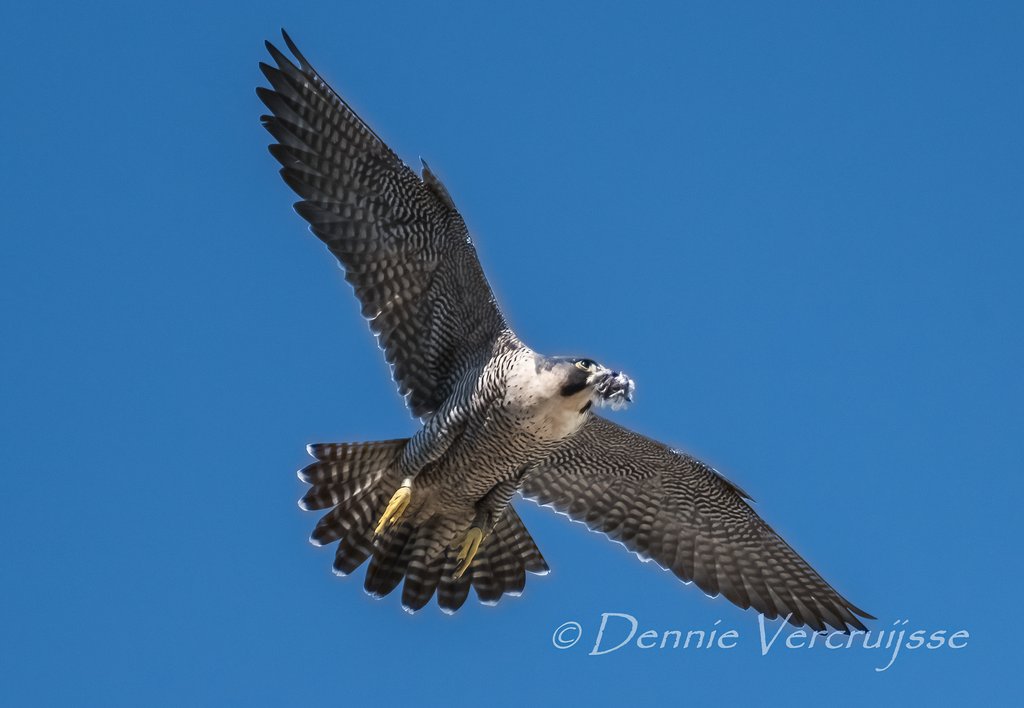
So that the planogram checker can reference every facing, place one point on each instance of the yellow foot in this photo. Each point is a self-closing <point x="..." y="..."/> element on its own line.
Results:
<point x="467" y="551"/>
<point x="396" y="507"/>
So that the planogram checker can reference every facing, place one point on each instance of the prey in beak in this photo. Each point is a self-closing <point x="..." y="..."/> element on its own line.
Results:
<point x="609" y="388"/>
<point x="613" y="389"/>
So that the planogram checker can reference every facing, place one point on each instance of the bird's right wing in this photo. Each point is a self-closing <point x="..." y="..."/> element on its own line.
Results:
<point x="404" y="247"/>
<point x="674" y="509"/>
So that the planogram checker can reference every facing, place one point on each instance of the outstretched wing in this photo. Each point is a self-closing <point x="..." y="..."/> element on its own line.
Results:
<point x="404" y="247"/>
<point x="676" y="510"/>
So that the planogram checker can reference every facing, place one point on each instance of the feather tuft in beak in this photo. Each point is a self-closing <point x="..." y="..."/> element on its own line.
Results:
<point x="614" y="390"/>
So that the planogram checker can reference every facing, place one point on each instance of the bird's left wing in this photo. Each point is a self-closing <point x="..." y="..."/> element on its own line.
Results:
<point x="674" y="509"/>
<point x="404" y="247"/>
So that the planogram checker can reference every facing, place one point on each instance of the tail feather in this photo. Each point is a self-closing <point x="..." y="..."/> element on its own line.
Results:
<point x="352" y="551"/>
<point x="488" y="591"/>
<point x="352" y="516"/>
<point x="324" y="496"/>
<point x="452" y="592"/>
<point x="506" y="566"/>
<point x="427" y="561"/>
<point x="340" y="462"/>
<point x="504" y="559"/>
<point x="507" y="569"/>
<point x="389" y="561"/>
<point x="357" y="480"/>
<point x="421" y="578"/>
<point x="520" y="543"/>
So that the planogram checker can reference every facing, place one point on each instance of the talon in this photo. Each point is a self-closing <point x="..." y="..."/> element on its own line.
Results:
<point x="467" y="551"/>
<point x="396" y="507"/>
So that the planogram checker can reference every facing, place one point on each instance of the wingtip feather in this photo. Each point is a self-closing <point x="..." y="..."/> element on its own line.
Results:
<point x="306" y="66"/>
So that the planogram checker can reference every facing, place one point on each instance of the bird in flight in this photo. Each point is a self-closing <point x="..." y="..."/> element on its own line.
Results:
<point x="497" y="417"/>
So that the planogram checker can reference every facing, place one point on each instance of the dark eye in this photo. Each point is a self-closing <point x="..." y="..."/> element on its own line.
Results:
<point x="586" y="364"/>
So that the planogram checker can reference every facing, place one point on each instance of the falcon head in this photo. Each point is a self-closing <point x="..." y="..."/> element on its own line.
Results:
<point x="604" y="386"/>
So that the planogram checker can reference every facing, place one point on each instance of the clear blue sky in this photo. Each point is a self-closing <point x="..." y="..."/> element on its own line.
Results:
<point x="800" y="229"/>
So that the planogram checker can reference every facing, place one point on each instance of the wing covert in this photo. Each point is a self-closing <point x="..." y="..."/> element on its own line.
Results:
<point x="674" y="509"/>
<point x="404" y="247"/>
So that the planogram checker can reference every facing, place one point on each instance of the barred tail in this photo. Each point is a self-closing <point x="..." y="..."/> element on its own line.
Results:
<point x="357" y="480"/>
<point x="506" y="555"/>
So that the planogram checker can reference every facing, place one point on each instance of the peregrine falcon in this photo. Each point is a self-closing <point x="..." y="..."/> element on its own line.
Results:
<point x="497" y="417"/>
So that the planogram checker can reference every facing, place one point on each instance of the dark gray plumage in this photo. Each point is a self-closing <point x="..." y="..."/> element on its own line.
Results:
<point x="673" y="509"/>
<point x="405" y="248"/>
<point x="433" y="510"/>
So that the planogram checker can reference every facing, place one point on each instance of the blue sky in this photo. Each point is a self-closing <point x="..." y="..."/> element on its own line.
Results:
<point x="800" y="229"/>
